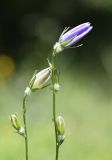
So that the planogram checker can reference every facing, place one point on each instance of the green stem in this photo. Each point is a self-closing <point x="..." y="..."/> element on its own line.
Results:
<point x="57" y="151"/>
<point x="25" y="126"/>
<point x="54" y="105"/>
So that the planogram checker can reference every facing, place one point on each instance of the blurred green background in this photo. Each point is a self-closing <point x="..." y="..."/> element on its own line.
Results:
<point x="28" y="30"/>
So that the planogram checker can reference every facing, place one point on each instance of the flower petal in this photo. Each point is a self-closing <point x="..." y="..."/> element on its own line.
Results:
<point x="79" y="37"/>
<point x="74" y="32"/>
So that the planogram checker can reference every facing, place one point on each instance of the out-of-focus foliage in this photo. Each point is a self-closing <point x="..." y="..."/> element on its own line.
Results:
<point x="28" y="30"/>
<point x="104" y="5"/>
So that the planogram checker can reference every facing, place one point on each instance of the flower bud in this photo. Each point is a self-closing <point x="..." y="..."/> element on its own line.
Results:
<point x="15" y="121"/>
<point x="40" y="79"/>
<point x="16" y="124"/>
<point x="60" y="124"/>
<point x="70" y="38"/>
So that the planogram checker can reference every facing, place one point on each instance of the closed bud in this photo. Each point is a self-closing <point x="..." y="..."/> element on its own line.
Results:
<point x="60" y="124"/>
<point x="15" y="121"/>
<point x="16" y="125"/>
<point x="40" y="79"/>
<point x="69" y="38"/>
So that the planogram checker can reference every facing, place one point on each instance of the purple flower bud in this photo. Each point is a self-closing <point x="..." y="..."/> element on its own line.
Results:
<point x="70" y="38"/>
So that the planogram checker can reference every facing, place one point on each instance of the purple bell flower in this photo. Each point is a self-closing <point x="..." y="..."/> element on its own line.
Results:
<point x="70" y="38"/>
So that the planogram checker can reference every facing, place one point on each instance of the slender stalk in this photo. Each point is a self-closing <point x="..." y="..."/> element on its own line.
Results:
<point x="57" y="151"/>
<point x="54" y="105"/>
<point x="25" y="126"/>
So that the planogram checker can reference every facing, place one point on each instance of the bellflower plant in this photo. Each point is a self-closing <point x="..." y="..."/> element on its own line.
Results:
<point x="68" y="39"/>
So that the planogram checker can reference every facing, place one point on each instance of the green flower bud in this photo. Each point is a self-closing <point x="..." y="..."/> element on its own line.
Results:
<point x="60" y="124"/>
<point x="16" y="125"/>
<point x="15" y="121"/>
